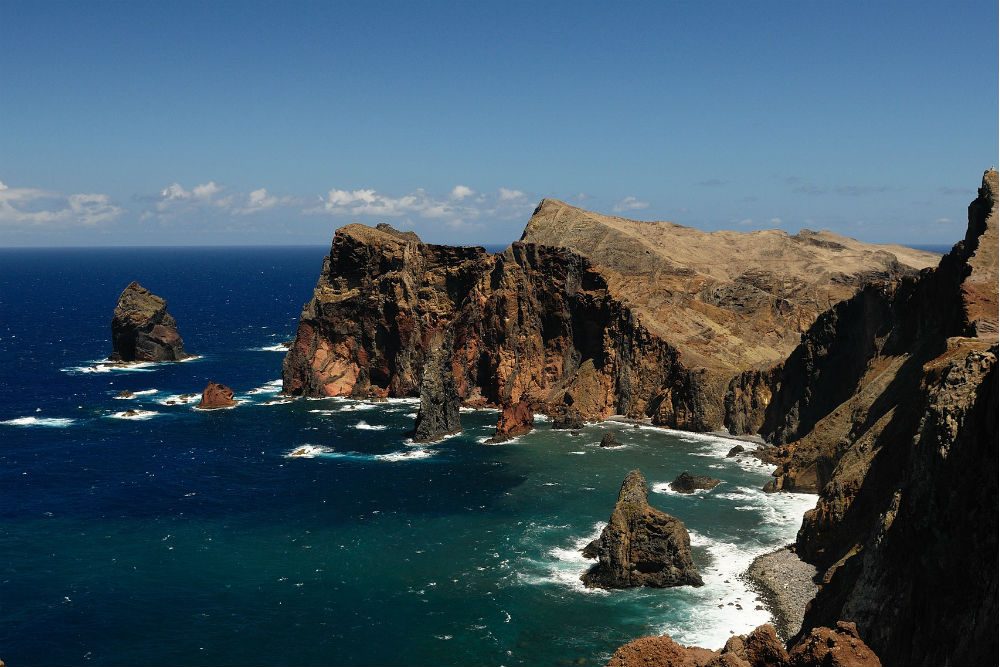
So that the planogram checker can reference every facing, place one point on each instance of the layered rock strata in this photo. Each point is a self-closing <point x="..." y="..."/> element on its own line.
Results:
<point x="586" y="317"/>
<point x="143" y="330"/>
<point x="439" y="402"/>
<point x="641" y="545"/>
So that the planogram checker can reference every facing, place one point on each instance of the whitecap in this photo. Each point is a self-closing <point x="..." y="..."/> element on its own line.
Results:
<point x="50" y="422"/>
<point x="279" y="347"/>
<point x="179" y="399"/>
<point x="407" y="455"/>
<point x="307" y="452"/>
<point x="278" y="401"/>
<point x="133" y="394"/>
<point x="272" y="387"/>
<point x="134" y="414"/>
<point x="564" y="565"/>
<point x="365" y="426"/>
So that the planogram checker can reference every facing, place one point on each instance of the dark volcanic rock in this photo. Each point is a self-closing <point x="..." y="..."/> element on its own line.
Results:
<point x="514" y="420"/>
<point x="567" y="419"/>
<point x="641" y="546"/>
<point x="688" y="483"/>
<point x="609" y="440"/>
<point x="439" y="402"/>
<point x="216" y="396"/>
<point x="738" y="449"/>
<point x="840" y="647"/>
<point x="143" y="330"/>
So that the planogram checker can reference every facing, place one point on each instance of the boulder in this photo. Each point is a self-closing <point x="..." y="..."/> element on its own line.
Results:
<point x="515" y="420"/>
<point x="567" y="419"/>
<point x="216" y="396"/>
<point x="439" y="402"/>
<point x="609" y="440"/>
<point x="838" y="647"/>
<point x="738" y="449"/>
<point x="143" y="330"/>
<point x="641" y="546"/>
<point x="688" y="483"/>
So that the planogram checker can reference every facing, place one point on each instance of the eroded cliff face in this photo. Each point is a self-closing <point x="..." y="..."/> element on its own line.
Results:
<point x="888" y="409"/>
<point x="588" y="316"/>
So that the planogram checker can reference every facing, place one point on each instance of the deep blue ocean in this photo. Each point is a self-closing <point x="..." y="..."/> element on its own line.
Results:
<point x="192" y="538"/>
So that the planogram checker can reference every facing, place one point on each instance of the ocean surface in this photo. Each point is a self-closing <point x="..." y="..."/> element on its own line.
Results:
<point x="183" y="537"/>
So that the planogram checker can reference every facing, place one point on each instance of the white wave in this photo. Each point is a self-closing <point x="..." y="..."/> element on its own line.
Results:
<point x="664" y="487"/>
<point x="411" y="415"/>
<point x="279" y="347"/>
<point x="563" y="566"/>
<point x="179" y="399"/>
<point x="50" y="422"/>
<point x="407" y="455"/>
<point x="308" y="452"/>
<point x="365" y="426"/>
<point x="134" y="414"/>
<point x="133" y="394"/>
<point x="112" y="366"/>
<point x="278" y="401"/>
<point x="272" y="387"/>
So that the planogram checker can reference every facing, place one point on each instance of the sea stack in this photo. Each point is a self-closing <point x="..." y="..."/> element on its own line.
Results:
<point x="143" y="330"/>
<point x="439" y="402"/>
<point x="216" y="396"/>
<point x="641" y="546"/>
<point x="515" y="419"/>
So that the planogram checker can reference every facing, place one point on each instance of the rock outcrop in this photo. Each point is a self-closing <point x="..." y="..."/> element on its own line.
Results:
<point x="839" y="647"/>
<point x="143" y="330"/>
<point x="514" y="420"/>
<point x="888" y="409"/>
<point x="609" y="440"/>
<point x="586" y="317"/>
<point x="688" y="483"/>
<point x="641" y="545"/>
<point x="216" y="396"/>
<point x="439" y="402"/>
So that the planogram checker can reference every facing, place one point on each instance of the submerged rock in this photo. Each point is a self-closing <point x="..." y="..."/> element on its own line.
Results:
<point x="738" y="449"/>
<point x="143" y="330"/>
<point x="688" y="483"/>
<point x="514" y="420"/>
<point x="609" y="440"/>
<point x="439" y="402"/>
<point x="216" y="396"/>
<point x="641" y="546"/>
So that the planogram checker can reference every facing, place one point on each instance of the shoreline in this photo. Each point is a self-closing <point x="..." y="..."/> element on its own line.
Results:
<point x="786" y="586"/>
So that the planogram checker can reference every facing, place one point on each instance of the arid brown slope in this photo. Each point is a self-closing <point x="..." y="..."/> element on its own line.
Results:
<point x="888" y="409"/>
<point x="568" y="326"/>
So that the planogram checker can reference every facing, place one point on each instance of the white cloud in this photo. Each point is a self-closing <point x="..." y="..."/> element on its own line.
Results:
<point x="943" y="221"/>
<point x="174" y="201"/>
<point x="630" y="204"/>
<point x="460" y="192"/>
<point x="745" y="222"/>
<point x="35" y="207"/>
<point x="776" y="222"/>
<point x="462" y="207"/>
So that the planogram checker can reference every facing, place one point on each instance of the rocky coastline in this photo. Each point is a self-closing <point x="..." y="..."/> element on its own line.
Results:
<point x="786" y="585"/>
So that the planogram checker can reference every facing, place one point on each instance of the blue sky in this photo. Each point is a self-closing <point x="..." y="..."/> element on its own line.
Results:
<point x="276" y="122"/>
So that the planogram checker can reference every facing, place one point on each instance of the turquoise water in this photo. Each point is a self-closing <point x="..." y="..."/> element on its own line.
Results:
<point x="187" y="537"/>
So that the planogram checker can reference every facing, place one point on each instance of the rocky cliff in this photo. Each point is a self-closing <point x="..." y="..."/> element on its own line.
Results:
<point x="888" y="409"/>
<point x="438" y="415"/>
<point x="143" y="330"/>
<point x="587" y="316"/>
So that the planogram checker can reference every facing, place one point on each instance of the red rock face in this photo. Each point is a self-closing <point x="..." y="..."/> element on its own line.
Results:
<point x="216" y="396"/>
<point x="514" y="420"/>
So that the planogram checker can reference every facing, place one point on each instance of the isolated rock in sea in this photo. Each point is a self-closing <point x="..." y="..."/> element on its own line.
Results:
<point x="609" y="440"/>
<point x="439" y="402"/>
<point x="568" y="419"/>
<point x="761" y="648"/>
<point x="514" y="420"/>
<point x="216" y="396"/>
<point x="143" y="330"/>
<point x="688" y="483"/>
<point x="641" y="546"/>
<point x="125" y="394"/>
<point x="738" y="449"/>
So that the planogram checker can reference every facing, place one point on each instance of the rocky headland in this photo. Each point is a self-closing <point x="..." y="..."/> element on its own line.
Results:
<point x="641" y="545"/>
<point x="143" y="330"/>
<point x="586" y="317"/>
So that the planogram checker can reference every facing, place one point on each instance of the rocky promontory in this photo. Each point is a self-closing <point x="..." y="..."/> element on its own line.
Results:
<point x="143" y="330"/>
<point x="641" y="545"/>
<point x="514" y="420"/>
<point x="586" y="317"/>
<point x="439" y="402"/>
<point x="216" y="396"/>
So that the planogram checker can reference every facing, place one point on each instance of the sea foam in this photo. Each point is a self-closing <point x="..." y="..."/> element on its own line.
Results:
<point x="50" y="422"/>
